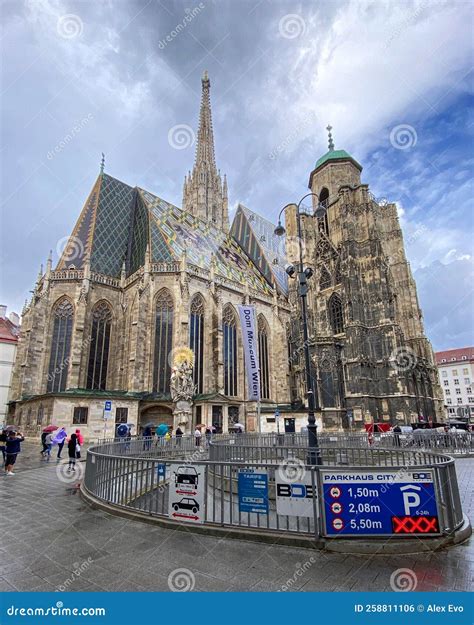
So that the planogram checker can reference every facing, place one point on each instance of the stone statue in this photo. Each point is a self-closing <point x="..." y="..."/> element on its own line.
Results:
<point x="182" y="386"/>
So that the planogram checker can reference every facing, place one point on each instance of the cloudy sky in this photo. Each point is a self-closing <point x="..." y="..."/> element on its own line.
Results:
<point x="395" y="80"/>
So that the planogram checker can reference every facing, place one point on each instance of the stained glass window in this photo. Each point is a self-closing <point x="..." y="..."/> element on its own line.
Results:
<point x="336" y="318"/>
<point x="230" y="352"/>
<point x="99" y="350"/>
<point x="63" y="316"/>
<point x="163" y="342"/>
<point x="196" y="340"/>
<point x="263" y="358"/>
<point x="327" y="385"/>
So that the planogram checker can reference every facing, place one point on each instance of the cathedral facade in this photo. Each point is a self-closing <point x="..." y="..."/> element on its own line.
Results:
<point x="140" y="279"/>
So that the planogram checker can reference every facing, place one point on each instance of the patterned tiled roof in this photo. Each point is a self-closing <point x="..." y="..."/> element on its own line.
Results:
<point x="118" y="222"/>
<point x="256" y="235"/>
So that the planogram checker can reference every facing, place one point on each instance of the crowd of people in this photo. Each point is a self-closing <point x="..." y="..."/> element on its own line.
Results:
<point x="11" y="439"/>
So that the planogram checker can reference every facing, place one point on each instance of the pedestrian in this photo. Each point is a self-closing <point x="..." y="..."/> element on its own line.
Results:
<point x="74" y="451"/>
<point x="48" y="444"/>
<point x="13" y="448"/>
<point x="3" y="440"/>
<point x="147" y="436"/>
<point x="59" y="439"/>
<point x="208" y="435"/>
<point x="179" y="435"/>
<point x="197" y="437"/>
<point x="168" y="435"/>
<point x="43" y="438"/>
<point x="397" y="430"/>
<point x="80" y="438"/>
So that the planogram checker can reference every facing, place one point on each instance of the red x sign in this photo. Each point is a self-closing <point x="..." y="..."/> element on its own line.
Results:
<point x="415" y="524"/>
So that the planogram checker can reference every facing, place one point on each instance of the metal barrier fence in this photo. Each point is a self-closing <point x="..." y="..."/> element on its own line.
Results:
<point x="128" y="475"/>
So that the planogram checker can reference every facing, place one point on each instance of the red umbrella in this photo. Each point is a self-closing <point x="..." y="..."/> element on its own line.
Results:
<point x="51" y="428"/>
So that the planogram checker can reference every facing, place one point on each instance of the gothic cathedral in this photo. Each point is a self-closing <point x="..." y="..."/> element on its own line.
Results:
<point x="141" y="278"/>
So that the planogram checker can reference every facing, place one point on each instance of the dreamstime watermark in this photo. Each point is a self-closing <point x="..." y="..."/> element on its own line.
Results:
<point x="78" y="570"/>
<point x="405" y="23"/>
<point x="75" y="130"/>
<point x="301" y="569"/>
<point x="403" y="359"/>
<point x="403" y="580"/>
<point x="403" y="137"/>
<point x="70" y="475"/>
<point x="291" y="26"/>
<point x="69" y="26"/>
<point x="71" y="247"/>
<point x="188" y="18"/>
<point x="292" y="136"/>
<point x="181" y="137"/>
<point x="292" y="470"/>
<point x="181" y="580"/>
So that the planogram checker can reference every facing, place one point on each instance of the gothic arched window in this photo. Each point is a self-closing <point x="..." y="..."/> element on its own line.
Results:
<point x="323" y="225"/>
<point x="327" y="385"/>
<point x="263" y="358"/>
<point x="63" y="315"/>
<point x="336" y="318"/>
<point x="196" y="340"/>
<point x="338" y="275"/>
<point x="230" y="352"/>
<point x="163" y="342"/>
<point x="99" y="350"/>
<point x="325" y="279"/>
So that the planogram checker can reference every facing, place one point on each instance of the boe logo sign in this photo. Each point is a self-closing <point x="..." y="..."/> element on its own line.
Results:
<point x="297" y="498"/>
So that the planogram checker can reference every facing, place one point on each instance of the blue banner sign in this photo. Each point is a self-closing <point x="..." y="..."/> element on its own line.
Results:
<point x="368" y="503"/>
<point x="253" y="491"/>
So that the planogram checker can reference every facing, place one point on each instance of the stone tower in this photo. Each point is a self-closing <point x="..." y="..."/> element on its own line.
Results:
<point x="204" y="192"/>
<point x="371" y="358"/>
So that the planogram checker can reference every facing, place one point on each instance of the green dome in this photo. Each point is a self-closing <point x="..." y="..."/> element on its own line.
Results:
<point x="335" y="155"/>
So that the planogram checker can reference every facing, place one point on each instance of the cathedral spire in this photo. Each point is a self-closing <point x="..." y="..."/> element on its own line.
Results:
<point x="203" y="192"/>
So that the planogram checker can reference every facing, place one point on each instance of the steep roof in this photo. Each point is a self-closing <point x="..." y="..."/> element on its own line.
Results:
<point x="118" y="222"/>
<point x="8" y="331"/>
<point x="256" y="235"/>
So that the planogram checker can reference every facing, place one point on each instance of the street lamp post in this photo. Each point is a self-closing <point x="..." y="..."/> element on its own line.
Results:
<point x="314" y="453"/>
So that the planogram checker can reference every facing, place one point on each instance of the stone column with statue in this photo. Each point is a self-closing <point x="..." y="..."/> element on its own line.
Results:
<point x="182" y="388"/>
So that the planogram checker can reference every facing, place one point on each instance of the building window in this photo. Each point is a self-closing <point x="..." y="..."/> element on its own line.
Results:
<point x="448" y="392"/>
<point x="456" y="381"/>
<point x="468" y="390"/>
<point x="465" y="371"/>
<point x="99" y="351"/>
<point x="263" y="358"/>
<point x="196" y="341"/>
<point x="121" y="415"/>
<point x="325" y="279"/>
<point x="163" y="343"/>
<point x="446" y="382"/>
<point x="230" y="352"/>
<point x="323" y="225"/>
<point x="448" y="401"/>
<point x="327" y="385"/>
<point x="458" y="391"/>
<point x="444" y="374"/>
<point x="63" y="315"/>
<point x="80" y="416"/>
<point x="454" y="372"/>
<point x="470" y="400"/>
<point x="40" y="415"/>
<point x="467" y="381"/>
<point x="451" y="411"/>
<point x="335" y="314"/>
<point x="459" y="400"/>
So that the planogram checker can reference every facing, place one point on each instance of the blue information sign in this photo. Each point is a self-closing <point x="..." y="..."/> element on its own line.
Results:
<point x="108" y="405"/>
<point x="379" y="503"/>
<point x="253" y="491"/>
<point x="161" y="470"/>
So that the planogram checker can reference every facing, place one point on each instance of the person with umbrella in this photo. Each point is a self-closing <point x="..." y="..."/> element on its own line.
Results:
<point x="47" y="430"/>
<point x="58" y="439"/>
<point x="13" y="448"/>
<point x="161" y="431"/>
